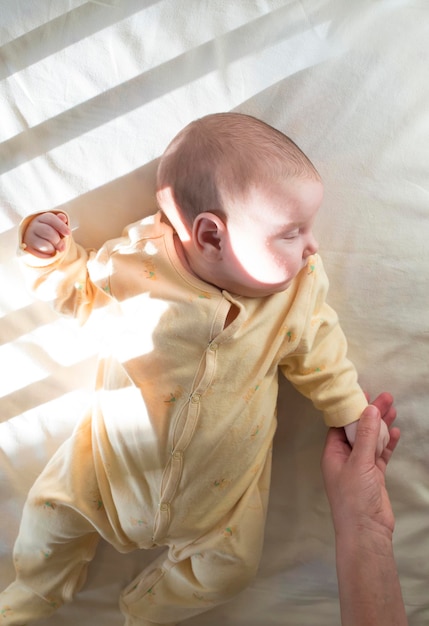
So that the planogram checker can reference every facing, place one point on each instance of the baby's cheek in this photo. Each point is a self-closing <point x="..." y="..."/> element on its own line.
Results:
<point x="282" y="265"/>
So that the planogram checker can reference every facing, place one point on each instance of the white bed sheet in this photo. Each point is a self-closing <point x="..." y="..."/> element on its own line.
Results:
<point x="90" y="94"/>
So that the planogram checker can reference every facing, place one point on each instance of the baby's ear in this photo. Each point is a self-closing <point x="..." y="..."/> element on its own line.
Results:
<point x="208" y="232"/>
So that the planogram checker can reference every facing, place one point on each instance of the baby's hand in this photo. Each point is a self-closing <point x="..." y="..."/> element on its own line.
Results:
<point x="383" y="437"/>
<point x="45" y="234"/>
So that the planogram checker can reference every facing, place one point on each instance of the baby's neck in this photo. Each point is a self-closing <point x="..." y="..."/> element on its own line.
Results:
<point x="234" y="310"/>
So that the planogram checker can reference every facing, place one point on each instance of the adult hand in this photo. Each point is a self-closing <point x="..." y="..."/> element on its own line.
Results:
<point x="355" y="478"/>
<point x="383" y="437"/>
<point x="368" y="581"/>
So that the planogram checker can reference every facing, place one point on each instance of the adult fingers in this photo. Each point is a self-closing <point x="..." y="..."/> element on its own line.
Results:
<point x="395" y="435"/>
<point x="367" y="432"/>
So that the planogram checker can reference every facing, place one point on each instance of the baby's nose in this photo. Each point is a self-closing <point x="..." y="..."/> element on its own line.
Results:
<point x="311" y="246"/>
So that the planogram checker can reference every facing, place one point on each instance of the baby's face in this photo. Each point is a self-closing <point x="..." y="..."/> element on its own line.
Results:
<point x="270" y="237"/>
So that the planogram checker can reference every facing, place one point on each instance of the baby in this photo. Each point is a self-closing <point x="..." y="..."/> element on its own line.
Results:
<point x="213" y="295"/>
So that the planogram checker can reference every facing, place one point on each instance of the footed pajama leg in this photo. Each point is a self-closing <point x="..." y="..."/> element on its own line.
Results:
<point x="193" y="578"/>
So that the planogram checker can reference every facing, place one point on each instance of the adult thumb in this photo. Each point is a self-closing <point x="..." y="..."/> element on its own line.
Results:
<point x="367" y="433"/>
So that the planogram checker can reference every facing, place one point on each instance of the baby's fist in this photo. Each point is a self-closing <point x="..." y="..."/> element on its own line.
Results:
<point x="45" y="235"/>
<point x="383" y="437"/>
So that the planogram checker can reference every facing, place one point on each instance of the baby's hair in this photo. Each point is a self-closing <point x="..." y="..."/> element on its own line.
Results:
<point x="224" y="155"/>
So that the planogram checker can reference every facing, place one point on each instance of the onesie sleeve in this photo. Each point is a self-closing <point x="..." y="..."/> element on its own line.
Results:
<point x="319" y="367"/>
<point x="64" y="279"/>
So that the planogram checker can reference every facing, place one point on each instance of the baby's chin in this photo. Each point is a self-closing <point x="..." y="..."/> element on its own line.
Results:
<point x="263" y="290"/>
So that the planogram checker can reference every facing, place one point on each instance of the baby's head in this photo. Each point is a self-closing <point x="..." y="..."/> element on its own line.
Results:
<point x="242" y="198"/>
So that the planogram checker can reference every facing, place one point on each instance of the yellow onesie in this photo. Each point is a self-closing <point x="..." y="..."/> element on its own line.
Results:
<point x="176" y="450"/>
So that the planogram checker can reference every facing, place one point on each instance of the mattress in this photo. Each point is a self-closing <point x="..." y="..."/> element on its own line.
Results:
<point x="90" y="95"/>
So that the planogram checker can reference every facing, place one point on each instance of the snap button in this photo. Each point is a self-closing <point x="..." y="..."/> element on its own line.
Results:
<point x="196" y="398"/>
<point x="164" y="506"/>
<point x="213" y="346"/>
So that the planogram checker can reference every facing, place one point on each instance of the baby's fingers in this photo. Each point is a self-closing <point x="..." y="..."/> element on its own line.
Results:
<point x="45" y="234"/>
<point x="39" y="246"/>
<point x="383" y="439"/>
<point x="56" y="221"/>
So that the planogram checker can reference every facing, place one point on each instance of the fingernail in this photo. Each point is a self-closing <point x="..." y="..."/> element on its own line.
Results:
<point x="372" y="411"/>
